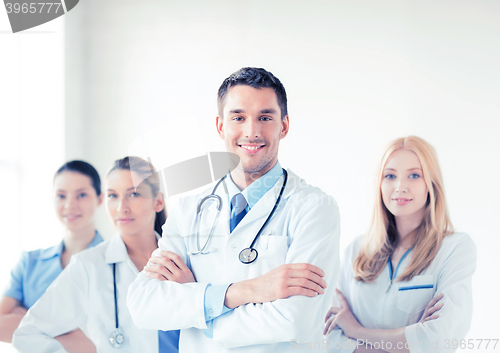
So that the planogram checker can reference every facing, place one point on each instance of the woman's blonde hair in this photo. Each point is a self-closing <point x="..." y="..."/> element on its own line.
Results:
<point x="380" y="240"/>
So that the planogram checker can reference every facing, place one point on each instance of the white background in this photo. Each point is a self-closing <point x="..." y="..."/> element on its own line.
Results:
<point x="141" y="78"/>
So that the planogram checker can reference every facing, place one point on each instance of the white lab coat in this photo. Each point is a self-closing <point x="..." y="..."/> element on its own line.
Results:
<point x="304" y="228"/>
<point x="376" y="306"/>
<point x="82" y="297"/>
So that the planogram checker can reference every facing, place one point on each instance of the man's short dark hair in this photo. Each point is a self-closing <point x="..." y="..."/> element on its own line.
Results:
<point x="257" y="78"/>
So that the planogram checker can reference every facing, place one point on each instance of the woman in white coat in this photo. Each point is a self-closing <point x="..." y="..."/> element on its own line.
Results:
<point x="405" y="286"/>
<point x="90" y="294"/>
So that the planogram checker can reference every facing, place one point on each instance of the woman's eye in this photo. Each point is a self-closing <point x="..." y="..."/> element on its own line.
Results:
<point x="60" y="197"/>
<point x="414" y="176"/>
<point x="389" y="176"/>
<point x="111" y="196"/>
<point x="135" y="194"/>
<point x="82" y="195"/>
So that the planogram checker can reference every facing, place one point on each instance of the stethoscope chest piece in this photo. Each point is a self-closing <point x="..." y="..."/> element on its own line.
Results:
<point x="116" y="339"/>
<point x="248" y="255"/>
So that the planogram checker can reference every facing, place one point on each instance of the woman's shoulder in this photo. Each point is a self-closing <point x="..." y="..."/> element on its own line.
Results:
<point x="354" y="247"/>
<point x="37" y="257"/>
<point x="458" y="246"/>
<point x="458" y="239"/>
<point x="44" y="253"/>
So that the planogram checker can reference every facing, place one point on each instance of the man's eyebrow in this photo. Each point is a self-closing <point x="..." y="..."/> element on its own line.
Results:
<point x="263" y="111"/>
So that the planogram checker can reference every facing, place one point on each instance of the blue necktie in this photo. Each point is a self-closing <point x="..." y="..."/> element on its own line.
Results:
<point x="168" y="341"/>
<point x="238" y="204"/>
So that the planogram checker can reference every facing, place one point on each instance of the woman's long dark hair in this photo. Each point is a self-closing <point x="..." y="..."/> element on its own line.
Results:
<point x="149" y="175"/>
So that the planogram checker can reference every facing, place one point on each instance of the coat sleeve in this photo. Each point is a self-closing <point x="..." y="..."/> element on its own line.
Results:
<point x="455" y="283"/>
<point x="337" y="340"/>
<point x="61" y="309"/>
<point x="315" y="231"/>
<point x="164" y="314"/>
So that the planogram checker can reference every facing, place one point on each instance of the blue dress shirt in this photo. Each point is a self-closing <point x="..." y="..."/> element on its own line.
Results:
<point x="36" y="270"/>
<point x="215" y="295"/>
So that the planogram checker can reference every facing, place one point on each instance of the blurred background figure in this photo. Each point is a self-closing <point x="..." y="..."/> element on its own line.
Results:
<point x="77" y="195"/>
<point x="91" y="292"/>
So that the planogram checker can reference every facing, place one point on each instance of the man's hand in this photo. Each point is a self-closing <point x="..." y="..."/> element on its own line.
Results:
<point x="168" y="267"/>
<point x="282" y="282"/>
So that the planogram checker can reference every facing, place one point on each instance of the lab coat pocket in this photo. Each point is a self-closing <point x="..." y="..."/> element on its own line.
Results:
<point x="414" y="295"/>
<point x="273" y="245"/>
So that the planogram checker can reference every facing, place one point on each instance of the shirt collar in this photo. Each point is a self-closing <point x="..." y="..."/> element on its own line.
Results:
<point x="57" y="250"/>
<point x="53" y="251"/>
<point x="97" y="240"/>
<point x="254" y="192"/>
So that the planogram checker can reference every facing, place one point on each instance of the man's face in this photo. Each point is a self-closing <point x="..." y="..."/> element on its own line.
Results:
<point x="251" y="127"/>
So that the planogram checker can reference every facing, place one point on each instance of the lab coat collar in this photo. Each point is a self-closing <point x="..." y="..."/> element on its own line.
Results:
<point x="116" y="251"/>
<point x="293" y="182"/>
<point x="262" y="208"/>
<point x="223" y="220"/>
<point x="57" y="250"/>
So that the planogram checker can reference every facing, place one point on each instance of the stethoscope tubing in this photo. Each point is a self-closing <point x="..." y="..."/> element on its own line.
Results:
<point x="219" y="208"/>
<point x="115" y="294"/>
<point x="198" y="219"/>
<point x="116" y="339"/>
<point x="272" y="211"/>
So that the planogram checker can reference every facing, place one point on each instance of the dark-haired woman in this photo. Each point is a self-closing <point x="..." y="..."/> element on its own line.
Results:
<point x="91" y="293"/>
<point x="77" y="194"/>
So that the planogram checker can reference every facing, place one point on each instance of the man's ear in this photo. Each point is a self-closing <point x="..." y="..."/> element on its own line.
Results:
<point x="219" y="122"/>
<point x="285" y="124"/>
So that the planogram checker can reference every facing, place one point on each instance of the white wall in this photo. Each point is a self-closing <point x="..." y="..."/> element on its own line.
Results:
<point x="31" y="140"/>
<point x="357" y="74"/>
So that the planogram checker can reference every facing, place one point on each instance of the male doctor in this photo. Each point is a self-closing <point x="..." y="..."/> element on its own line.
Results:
<point x="276" y="303"/>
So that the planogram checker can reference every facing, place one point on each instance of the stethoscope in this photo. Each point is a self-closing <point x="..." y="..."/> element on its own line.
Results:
<point x="247" y="255"/>
<point x="116" y="338"/>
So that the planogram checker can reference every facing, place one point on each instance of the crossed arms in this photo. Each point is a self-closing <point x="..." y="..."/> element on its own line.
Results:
<point x="285" y="303"/>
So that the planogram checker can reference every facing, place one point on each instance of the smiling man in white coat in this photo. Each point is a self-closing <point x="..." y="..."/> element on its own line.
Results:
<point x="273" y="296"/>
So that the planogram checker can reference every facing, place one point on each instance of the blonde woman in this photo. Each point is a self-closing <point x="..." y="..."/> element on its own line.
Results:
<point x="90" y="294"/>
<point x="405" y="286"/>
